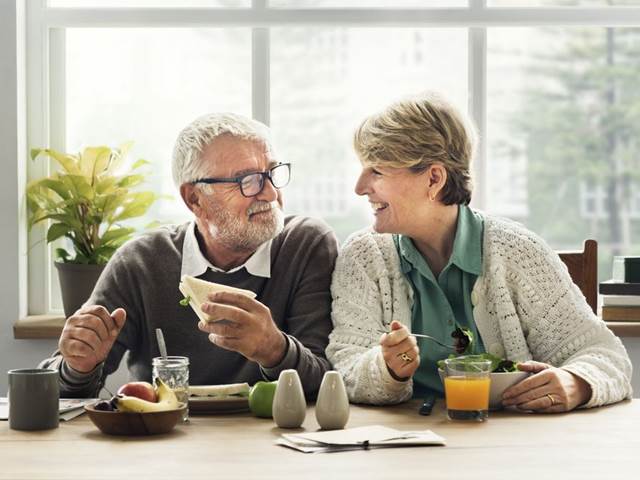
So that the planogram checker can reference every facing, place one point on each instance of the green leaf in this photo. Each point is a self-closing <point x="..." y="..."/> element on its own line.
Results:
<point x="94" y="160"/>
<point x="119" y="156"/>
<point x="67" y="219"/>
<point x="136" y="206"/>
<point x="56" y="231"/>
<point x="105" y="185"/>
<point x="139" y="163"/>
<point x="116" y="234"/>
<point x="79" y="186"/>
<point x="185" y="301"/>
<point x="62" y="255"/>
<point x="55" y="185"/>
<point x="108" y="204"/>
<point x="70" y="163"/>
<point x="130" y="181"/>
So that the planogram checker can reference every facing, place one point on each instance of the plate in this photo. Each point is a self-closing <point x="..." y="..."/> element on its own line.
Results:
<point x="208" y="405"/>
<point x="129" y="423"/>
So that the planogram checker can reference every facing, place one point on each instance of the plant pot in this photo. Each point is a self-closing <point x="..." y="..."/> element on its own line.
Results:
<point x="76" y="283"/>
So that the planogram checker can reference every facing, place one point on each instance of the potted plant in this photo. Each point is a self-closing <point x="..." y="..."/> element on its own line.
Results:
<point x="86" y="201"/>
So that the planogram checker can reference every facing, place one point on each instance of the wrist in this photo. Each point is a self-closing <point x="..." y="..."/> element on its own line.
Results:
<point x="584" y="389"/>
<point x="396" y="377"/>
<point x="277" y="349"/>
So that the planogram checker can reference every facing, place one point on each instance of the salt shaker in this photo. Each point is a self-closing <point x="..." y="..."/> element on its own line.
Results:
<point x="332" y="405"/>
<point x="289" y="404"/>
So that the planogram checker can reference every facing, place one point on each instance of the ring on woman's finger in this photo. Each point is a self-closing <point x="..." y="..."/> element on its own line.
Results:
<point x="550" y="397"/>
<point x="405" y="357"/>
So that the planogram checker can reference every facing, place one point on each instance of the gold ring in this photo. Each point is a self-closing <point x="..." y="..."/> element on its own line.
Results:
<point x="406" y="357"/>
<point x="553" y="402"/>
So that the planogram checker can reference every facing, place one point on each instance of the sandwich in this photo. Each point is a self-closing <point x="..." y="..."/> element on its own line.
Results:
<point x="232" y="390"/>
<point x="196" y="293"/>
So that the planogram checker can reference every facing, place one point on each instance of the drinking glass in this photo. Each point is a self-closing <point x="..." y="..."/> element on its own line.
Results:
<point x="466" y="385"/>
<point x="174" y="371"/>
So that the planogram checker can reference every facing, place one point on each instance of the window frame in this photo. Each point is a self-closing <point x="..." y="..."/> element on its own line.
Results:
<point x="45" y="50"/>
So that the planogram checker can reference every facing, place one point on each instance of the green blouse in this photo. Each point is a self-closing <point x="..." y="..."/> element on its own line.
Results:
<point x="439" y="305"/>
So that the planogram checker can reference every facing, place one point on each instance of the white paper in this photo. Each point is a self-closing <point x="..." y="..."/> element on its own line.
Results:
<point x="69" y="407"/>
<point x="374" y="436"/>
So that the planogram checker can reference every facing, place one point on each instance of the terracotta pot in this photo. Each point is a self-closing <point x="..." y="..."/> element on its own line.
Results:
<point x="76" y="283"/>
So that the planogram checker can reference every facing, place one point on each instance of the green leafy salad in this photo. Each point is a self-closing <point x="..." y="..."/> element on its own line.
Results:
<point x="463" y="339"/>
<point x="498" y="364"/>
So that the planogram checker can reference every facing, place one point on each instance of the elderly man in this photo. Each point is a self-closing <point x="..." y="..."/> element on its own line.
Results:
<point x="230" y="178"/>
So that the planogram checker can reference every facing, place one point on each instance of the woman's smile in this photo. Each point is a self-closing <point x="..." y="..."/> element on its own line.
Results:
<point x="378" y="207"/>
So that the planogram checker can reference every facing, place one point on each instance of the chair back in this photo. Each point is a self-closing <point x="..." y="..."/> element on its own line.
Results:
<point x="583" y="268"/>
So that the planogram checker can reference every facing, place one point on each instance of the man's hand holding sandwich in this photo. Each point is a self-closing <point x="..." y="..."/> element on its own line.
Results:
<point x="244" y="325"/>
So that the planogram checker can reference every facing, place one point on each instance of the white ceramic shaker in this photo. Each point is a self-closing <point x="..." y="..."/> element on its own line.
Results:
<point x="332" y="405"/>
<point x="289" y="404"/>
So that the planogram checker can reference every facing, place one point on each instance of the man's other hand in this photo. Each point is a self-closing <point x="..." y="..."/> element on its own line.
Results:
<point x="88" y="336"/>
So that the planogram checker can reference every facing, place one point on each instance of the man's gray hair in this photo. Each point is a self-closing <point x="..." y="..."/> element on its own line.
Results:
<point x="193" y="139"/>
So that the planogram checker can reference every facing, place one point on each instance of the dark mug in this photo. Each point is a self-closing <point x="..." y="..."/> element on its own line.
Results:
<point x="34" y="394"/>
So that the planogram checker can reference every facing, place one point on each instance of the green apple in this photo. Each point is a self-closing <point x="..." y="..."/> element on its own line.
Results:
<point x="261" y="398"/>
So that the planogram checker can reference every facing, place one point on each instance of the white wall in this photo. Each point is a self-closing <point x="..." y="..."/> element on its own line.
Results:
<point x="27" y="353"/>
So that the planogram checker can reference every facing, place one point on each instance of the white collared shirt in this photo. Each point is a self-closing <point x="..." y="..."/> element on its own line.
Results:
<point x="194" y="263"/>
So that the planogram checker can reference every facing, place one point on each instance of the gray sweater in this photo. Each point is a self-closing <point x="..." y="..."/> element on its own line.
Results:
<point x="143" y="277"/>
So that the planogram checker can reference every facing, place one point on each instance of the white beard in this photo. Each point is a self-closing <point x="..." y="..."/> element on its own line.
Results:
<point x="246" y="233"/>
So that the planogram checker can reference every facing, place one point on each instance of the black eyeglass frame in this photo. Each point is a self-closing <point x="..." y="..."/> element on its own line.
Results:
<point x="238" y="180"/>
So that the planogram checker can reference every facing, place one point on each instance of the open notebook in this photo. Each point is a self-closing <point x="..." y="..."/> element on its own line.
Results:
<point x="374" y="436"/>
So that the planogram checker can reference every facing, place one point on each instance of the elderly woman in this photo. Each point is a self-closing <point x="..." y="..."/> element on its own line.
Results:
<point x="432" y="264"/>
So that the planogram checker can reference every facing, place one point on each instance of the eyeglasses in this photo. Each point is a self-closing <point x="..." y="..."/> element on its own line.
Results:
<point x="252" y="184"/>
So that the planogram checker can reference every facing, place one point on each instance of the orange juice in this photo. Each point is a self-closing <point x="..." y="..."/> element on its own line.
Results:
<point x="467" y="394"/>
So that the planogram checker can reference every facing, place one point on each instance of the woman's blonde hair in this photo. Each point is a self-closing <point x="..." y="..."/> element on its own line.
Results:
<point x="416" y="133"/>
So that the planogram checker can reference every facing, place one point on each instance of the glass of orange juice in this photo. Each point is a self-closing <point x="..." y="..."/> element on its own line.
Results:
<point x="466" y="387"/>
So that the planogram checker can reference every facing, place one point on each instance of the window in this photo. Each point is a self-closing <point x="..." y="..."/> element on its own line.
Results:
<point x="315" y="110"/>
<point x="550" y="84"/>
<point x="562" y="133"/>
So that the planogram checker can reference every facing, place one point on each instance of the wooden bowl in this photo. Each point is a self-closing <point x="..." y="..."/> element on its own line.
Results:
<point x="128" y="423"/>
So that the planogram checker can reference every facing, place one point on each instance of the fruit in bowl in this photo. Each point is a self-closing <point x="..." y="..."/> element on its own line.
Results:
<point x="165" y="399"/>
<point x="132" y="415"/>
<point x="504" y="373"/>
<point x="143" y="390"/>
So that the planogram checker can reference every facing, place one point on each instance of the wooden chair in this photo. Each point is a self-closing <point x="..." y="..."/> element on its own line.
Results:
<point x="583" y="268"/>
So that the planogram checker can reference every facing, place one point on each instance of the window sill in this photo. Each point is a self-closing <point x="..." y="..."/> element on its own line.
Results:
<point x="38" y="326"/>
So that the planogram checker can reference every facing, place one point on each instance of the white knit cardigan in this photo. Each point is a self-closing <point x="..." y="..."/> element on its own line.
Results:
<point x="525" y="306"/>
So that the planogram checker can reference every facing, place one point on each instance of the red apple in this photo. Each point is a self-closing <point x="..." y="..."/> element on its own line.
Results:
<point x="142" y="390"/>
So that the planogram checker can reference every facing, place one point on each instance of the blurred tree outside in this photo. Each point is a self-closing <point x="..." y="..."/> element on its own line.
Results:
<point x="580" y="121"/>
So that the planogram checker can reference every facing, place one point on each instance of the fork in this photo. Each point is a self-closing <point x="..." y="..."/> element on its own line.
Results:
<point x="420" y="335"/>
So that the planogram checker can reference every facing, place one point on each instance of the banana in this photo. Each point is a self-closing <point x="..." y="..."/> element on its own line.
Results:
<point x="167" y="400"/>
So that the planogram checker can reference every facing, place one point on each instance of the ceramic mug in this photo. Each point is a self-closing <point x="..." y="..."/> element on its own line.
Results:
<point x="34" y="394"/>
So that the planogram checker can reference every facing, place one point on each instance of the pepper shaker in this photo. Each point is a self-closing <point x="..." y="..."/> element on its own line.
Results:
<point x="289" y="404"/>
<point x="332" y="405"/>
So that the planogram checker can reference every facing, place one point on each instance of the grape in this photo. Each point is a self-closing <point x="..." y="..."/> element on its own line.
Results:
<point x="104" y="406"/>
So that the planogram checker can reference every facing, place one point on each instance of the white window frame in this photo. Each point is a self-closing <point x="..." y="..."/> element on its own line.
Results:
<point x="46" y="49"/>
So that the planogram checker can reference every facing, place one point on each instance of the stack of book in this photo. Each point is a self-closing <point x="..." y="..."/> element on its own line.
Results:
<point x="620" y="301"/>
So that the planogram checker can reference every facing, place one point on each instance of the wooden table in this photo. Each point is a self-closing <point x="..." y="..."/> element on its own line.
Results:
<point x="602" y="443"/>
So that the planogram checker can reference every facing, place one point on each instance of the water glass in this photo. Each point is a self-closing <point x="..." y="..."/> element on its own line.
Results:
<point x="174" y="371"/>
<point x="466" y="386"/>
